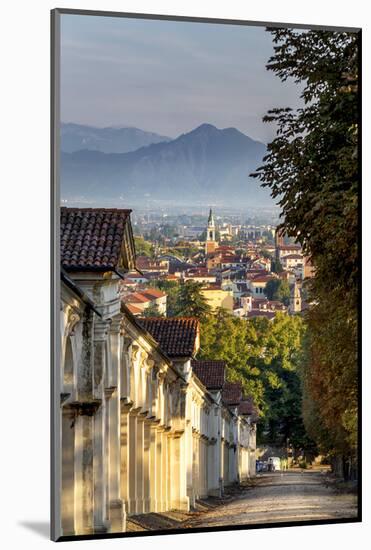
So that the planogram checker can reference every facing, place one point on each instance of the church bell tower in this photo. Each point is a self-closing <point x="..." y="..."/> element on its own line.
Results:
<point x="295" y="299"/>
<point x="210" y="234"/>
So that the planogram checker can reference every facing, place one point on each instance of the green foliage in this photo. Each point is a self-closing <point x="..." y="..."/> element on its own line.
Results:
<point x="152" y="311"/>
<point x="266" y="254"/>
<point x="143" y="247"/>
<point x="276" y="266"/>
<point x="311" y="167"/>
<point x="171" y="288"/>
<point x="264" y="356"/>
<point x="191" y="303"/>
<point x="277" y="289"/>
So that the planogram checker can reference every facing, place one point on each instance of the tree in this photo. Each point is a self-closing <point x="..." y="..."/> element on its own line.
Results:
<point x="311" y="167"/>
<point x="271" y="288"/>
<point x="191" y="302"/>
<point x="152" y="311"/>
<point x="276" y="266"/>
<point x="171" y="288"/>
<point x="277" y="289"/>
<point x="265" y="358"/>
<point x="143" y="248"/>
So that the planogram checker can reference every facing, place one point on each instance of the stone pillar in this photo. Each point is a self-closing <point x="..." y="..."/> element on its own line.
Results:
<point x="165" y="472"/>
<point x="124" y="452"/>
<point x="133" y="464"/>
<point x="68" y="472"/>
<point x="146" y="466"/>
<point x="159" y="471"/>
<point x="84" y="476"/>
<point x="140" y="464"/>
<point x="100" y="462"/>
<point x="153" y="481"/>
<point x="178" y="490"/>
<point x="116" y="509"/>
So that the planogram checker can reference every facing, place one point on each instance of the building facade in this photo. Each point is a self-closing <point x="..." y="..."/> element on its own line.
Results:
<point x="144" y="426"/>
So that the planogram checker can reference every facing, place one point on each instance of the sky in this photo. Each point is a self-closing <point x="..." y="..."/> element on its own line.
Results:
<point x="169" y="77"/>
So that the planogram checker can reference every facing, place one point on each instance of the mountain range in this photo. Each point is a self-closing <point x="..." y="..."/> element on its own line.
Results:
<point x="206" y="164"/>
<point x="75" y="137"/>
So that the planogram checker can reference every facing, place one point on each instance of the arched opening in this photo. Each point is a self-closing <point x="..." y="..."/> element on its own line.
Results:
<point x="68" y="364"/>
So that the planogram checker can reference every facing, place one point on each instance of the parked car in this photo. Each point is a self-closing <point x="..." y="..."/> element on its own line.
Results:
<point x="274" y="463"/>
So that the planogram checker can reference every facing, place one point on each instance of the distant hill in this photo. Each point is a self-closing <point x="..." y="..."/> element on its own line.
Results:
<point x="75" y="137"/>
<point x="205" y="164"/>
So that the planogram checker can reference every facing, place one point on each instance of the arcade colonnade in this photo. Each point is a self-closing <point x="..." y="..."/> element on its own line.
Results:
<point x="142" y="425"/>
<point x="140" y="431"/>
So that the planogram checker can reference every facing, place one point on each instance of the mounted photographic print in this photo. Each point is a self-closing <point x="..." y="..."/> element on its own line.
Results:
<point x="205" y="205"/>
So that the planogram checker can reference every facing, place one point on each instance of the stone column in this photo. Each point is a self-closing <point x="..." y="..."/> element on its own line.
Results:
<point x="153" y="459"/>
<point x="100" y="465"/>
<point x="84" y="476"/>
<point x="178" y="489"/>
<point x="68" y="472"/>
<point x="101" y="523"/>
<point x="169" y="469"/>
<point x="146" y="466"/>
<point x="140" y="464"/>
<point x="116" y="510"/>
<point x="159" y="470"/>
<point x="125" y="452"/>
<point x="164" y="470"/>
<point x="133" y="464"/>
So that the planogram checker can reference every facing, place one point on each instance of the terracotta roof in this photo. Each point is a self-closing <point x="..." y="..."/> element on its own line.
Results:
<point x="246" y="407"/>
<point x="153" y="293"/>
<point x="211" y="373"/>
<point x="290" y="247"/>
<point x="262" y="279"/>
<point x="177" y="336"/>
<point x="91" y="238"/>
<point x="137" y="297"/>
<point x="232" y="393"/>
<point x="134" y="310"/>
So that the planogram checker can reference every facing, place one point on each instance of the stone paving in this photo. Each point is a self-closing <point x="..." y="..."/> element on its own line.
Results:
<point x="270" y="497"/>
<point x="280" y="497"/>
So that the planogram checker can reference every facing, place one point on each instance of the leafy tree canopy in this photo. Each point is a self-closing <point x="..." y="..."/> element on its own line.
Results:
<point x="311" y="167"/>
<point x="191" y="302"/>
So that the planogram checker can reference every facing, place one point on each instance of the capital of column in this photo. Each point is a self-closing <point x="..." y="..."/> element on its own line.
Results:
<point x="109" y="391"/>
<point x="126" y="342"/>
<point x="153" y="421"/>
<point x="126" y="404"/>
<point x="136" y="411"/>
<point x="100" y="330"/>
<point x="85" y="408"/>
<point x="72" y="319"/>
<point x="176" y="434"/>
<point x="115" y="325"/>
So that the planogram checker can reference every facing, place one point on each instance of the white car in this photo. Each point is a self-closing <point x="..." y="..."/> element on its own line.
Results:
<point x="274" y="463"/>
